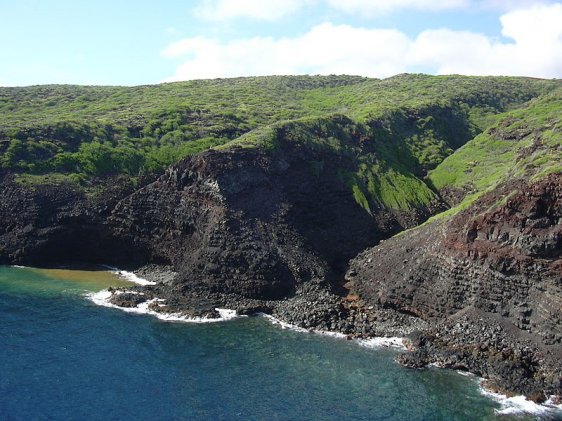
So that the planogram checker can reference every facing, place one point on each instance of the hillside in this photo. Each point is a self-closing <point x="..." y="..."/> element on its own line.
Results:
<point x="79" y="133"/>
<point x="523" y="144"/>
<point x="281" y="195"/>
<point x="488" y="272"/>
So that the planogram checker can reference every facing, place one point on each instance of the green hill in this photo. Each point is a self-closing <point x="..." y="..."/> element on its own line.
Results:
<point x="523" y="144"/>
<point x="82" y="133"/>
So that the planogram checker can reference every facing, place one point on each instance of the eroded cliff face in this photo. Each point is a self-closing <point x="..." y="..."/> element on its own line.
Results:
<point x="59" y="224"/>
<point x="488" y="279"/>
<point x="245" y="221"/>
<point x="254" y="223"/>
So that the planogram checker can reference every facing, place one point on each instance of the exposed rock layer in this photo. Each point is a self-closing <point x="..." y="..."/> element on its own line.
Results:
<point x="245" y="221"/>
<point x="489" y="282"/>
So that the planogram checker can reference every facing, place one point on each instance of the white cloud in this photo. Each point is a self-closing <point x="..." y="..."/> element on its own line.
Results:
<point x="508" y="5"/>
<point x="535" y="50"/>
<point x="371" y="7"/>
<point x="256" y="9"/>
<point x="271" y="10"/>
<point x="325" y="49"/>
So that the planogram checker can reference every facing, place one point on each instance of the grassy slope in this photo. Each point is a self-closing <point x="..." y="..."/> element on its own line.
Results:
<point x="524" y="143"/>
<point x="400" y="127"/>
<point x="368" y="164"/>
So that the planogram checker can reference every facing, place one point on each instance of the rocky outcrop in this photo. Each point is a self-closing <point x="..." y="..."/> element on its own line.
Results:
<point x="255" y="223"/>
<point x="489" y="282"/>
<point x="49" y="224"/>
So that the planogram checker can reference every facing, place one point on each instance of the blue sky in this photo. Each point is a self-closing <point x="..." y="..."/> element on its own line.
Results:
<point x="144" y="42"/>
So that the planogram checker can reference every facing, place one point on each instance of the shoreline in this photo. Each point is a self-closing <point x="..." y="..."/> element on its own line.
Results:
<point x="129" y="276"/>
<point x="516" y="405"/>
<point x="102" y="298"/>
<point x="513" y="405"/>
<point x="373" y="343"/>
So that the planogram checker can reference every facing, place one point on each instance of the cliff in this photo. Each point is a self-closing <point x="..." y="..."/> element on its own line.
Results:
<point x="250" y="221"/>
<point x="489" y="282"/>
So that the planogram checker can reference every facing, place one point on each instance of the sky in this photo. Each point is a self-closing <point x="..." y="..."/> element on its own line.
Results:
<point x="122" y="42"/>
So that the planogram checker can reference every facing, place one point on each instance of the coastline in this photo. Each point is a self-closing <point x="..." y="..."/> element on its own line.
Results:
<point x="509" y="405"/>
<point x="378" y="342"/>
<point x="517" y="405"/>
<point x="102" y="298"/>
<point x="129" y="276"/>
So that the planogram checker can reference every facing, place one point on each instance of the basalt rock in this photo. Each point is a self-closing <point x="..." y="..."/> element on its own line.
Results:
<point x="254" y="223"/>
<point x="489" y="282"/>
<point x="45" y="225"/>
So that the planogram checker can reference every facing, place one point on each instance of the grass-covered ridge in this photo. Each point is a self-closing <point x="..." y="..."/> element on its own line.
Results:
<point x="82" y="132"/>
<point x="524" y="143"/>
<point x="366" y="158"/>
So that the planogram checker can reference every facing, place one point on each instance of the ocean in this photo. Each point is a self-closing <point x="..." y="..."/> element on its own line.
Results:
<point x="62" y="357"/>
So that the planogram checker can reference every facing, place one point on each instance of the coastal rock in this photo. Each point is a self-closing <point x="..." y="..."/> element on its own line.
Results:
<point x="253" y="222"/>
<point x="263" y="231"/>
<point x="489" y="283"/>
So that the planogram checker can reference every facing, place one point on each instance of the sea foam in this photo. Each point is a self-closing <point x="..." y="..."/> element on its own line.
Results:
<point x="129" y="276"/>
<point x="382" y="342"/>
<point x="517" y="405"/>
<point x="102" y="298"/>
<point x="379" y="342"/>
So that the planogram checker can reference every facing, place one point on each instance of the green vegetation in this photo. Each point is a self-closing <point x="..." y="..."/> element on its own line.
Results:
<point x="524" y="143"/>
<point x="389" y="132"/>
<point x="366" y="158"/>
<point x="100" y="131"/>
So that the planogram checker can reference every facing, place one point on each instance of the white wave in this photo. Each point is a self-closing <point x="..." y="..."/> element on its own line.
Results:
<point x="129" y="276"/>
<point x="102" y="298"/>
<point x="436" y="364"/>
<point x="128" y="291"/>
<point x="19" y="266"/>
<point x="332" y="334"/>
<point x="550" y="403"/>
<point x="369" y="343"/>
<point x="520" y="404"/>
<point x="283" y="324"/>
<point x="226" y="314"/>
<point x="465" y="373"/>
<point x="382" y="342"/>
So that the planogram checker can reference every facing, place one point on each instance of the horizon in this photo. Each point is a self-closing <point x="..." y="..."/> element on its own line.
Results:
<point x="139" y="43"/>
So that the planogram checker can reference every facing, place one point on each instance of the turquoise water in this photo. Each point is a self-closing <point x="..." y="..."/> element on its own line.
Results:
<point x="62" y="357"/>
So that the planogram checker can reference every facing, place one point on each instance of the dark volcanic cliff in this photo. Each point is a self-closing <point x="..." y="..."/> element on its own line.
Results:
<point x="254" y="222"/>
<point x="247" y="221"/>
<point x="55" y="224"/>
<point x="489" y="281"/>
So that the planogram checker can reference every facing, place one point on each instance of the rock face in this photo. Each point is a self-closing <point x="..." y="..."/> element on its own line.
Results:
<point x="56" y="224"/>
<point x="253" y="223"/>
<point x="489" y="281"/>
<point x="243" y="221"/>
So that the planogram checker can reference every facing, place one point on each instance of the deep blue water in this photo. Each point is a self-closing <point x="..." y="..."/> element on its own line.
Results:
<point x="62" y="357"/>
